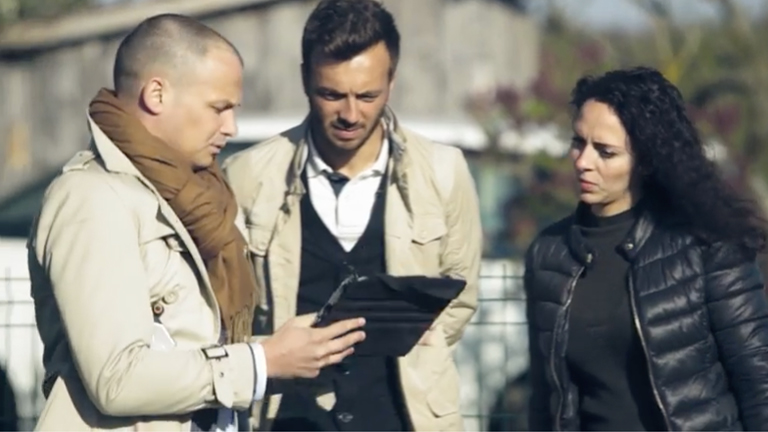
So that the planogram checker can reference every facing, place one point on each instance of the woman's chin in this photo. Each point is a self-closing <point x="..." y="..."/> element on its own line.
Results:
<point x="588" y="197"/>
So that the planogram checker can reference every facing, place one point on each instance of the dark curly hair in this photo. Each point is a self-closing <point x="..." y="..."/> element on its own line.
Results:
<point x="677" y="176"/>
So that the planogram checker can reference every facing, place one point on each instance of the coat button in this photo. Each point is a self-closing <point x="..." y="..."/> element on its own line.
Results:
<point x="158" y="308"/>
<point x="345" y="417"/>
<point x="171" y="297"/>
<point x="245" y="251"/>
<point x="629" y="246"/>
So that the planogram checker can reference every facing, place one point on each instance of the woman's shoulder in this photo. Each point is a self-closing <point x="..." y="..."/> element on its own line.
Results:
<point x="722" y="255"/>
<point x="712" y="255"/>
<point x="681" y="234"/>
<point x="552" y="236"/>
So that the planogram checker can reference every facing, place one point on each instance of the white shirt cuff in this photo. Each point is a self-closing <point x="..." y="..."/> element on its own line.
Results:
<point x="260" y="369"/>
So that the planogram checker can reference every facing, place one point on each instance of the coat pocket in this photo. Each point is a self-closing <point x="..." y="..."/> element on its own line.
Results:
<point x="428" y="229"/>
<point x="426" y="243"/>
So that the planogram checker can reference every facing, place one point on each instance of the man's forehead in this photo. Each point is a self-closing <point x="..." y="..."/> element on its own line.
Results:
<point x="342" y="78"/>
<point x="372" y="63"/>
<point x="220" y="76"/>
<point x="220" y="59"/>
<point x="223" y="96"/>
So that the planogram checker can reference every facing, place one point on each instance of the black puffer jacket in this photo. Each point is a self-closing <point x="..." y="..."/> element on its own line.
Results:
<point x="701" y="313"/>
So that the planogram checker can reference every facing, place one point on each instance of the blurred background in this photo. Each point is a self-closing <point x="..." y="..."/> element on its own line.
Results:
<point x="489" y="76"/>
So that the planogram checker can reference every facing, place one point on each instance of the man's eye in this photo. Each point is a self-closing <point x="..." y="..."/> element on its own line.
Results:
<point x="331" y="96"/>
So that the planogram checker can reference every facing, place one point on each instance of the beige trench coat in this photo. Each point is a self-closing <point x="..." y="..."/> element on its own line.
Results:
<point x="105" y="249"/>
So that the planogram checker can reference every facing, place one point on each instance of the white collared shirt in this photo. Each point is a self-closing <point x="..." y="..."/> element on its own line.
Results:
<point x="347" y="215"/>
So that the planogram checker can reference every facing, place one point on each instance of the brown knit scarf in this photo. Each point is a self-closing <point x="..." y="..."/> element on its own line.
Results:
<point x="202" y="200"/>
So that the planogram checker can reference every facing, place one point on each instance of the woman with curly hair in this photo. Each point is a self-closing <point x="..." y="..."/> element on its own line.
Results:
<point x="646" y="307"/>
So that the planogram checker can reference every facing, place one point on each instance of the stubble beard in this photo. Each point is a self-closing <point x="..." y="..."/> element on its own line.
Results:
<point x="322" y="139"/>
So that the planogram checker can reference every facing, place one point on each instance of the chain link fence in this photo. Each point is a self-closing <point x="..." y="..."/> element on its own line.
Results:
<point x="492" y="355"/>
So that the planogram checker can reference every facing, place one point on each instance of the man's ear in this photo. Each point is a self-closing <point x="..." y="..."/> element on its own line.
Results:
<point x="153" y="95"/>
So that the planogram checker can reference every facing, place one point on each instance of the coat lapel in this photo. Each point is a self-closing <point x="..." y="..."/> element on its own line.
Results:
<point x="404" y="214"/>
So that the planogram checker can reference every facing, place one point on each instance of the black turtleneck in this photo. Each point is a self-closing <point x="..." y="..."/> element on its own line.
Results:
<point x="604" y="355"/>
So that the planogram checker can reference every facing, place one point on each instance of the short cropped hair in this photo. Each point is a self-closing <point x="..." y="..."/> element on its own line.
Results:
<point x="342" y="29"/>
<point x="166" y="40"/>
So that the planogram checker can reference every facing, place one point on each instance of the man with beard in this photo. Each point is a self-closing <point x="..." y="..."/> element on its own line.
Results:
<point x="350" y="191"/>
<point x="144" y="294"/>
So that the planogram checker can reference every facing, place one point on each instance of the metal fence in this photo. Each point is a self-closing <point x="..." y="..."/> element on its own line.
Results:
<point x="491" y="357"/>
<point x="21" y="355"/>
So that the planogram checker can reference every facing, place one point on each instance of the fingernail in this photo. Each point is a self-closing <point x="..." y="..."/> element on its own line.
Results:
<point x="362" y="321"/>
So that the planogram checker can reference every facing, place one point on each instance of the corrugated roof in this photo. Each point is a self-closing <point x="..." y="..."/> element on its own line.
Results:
<point x="102" y="21"/>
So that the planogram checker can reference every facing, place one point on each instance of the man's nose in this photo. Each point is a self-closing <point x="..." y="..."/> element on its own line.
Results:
<point x="350" y="113"/>
<point x="229" y="123"/>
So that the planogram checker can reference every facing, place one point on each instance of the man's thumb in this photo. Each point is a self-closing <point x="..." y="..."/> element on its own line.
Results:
<point x="304" y="320"/>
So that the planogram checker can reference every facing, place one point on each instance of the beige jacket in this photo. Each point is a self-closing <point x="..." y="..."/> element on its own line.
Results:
<point x="432" y="227"/>
<point x="105" y="250"/>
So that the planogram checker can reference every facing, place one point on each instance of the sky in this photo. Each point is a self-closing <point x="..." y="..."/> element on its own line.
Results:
<point x="624" y="14"/>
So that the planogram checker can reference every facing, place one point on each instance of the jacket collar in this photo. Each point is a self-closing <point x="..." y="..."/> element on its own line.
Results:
<point x="316" y="166"/>
<point x="630" y="246"/>
<point x="114" y="160"/>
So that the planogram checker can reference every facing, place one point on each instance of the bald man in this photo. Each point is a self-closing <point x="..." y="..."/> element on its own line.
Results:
<point x="142" y="283"/>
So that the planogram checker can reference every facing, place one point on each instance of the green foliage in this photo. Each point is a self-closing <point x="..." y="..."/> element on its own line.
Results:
<point x="720" y="67"/>
<point x="722" y="70"/>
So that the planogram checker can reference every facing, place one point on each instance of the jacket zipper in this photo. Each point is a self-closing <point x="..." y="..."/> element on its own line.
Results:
<point x="645" y="351"/>
<point x="571" y="289"/>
